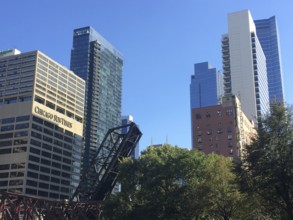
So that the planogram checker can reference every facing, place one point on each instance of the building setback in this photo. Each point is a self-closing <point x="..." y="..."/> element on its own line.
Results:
<point x="268" y="36"/>
<point x="41" y="126"/>
<point x="95" y="60"/>
<point x="244" y="65"/>
<point x="222" y="129"/>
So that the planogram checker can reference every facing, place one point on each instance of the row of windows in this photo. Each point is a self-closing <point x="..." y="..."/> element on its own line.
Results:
<point x="47" y="186"/>
<point x="20" y="165"/>
<point x="199" y="139"/>
<point x="42" y="193"/>
<point x="210" y="131"/>
<point x="59" y="109"/>
<point x="13" y="119"/>
<point x="229" y="112"/>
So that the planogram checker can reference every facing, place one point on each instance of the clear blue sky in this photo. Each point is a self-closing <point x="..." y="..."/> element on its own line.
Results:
<point x="160" y="41"/>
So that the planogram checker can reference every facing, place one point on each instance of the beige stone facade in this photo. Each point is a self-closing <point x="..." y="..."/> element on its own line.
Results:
<point x="41" y="126"/>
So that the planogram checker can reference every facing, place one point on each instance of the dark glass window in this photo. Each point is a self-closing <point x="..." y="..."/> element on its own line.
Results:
<point x="5" y="151"/>
<point x="4" y="166"/>
<point x="66" y="175"/>
<point x="19" y="149"/>
<point x="21" y="134"/>
<point x="38" y="120"/>
<point x="64" y="189"/>
<point x="59" y="143"/>
<point x="45" y="169"/>
<point x="58" y="136"/>
<point x="57" y="165"/>
<point x="65" y="182"/>
<point x="44" y="177"/>
<point x="8" y="120"/>
<point x="55" y="157"/>
<point x="4" y="175"/>
<point x="15" y="182"/>
<point x="46" y="154"/>
<point x="46" y="162"/>
<point x="33" y="166"/>
<point x="7" y="135"/>
<point x="36" y="143"/>
<point x="69" y="133"/>
<point x="57" y="128"/>
<point x="55" y="172"/>
<point x="33" y="158"/>
<point x="47" y="131"/>
<point x="55" y="188"/>
<point x="49" y="124"/>
<point x="65" y="160"/>
<point x="37" y="127"/>
<point x="54" y="196"/>
<point x="42" y="193"/>
<point x="64" y="167"/>
<point x="3" y="183"/>
<point x="43" y="185"/>
<point x="31" y="191"/>
<point x="66" y="153"/>
<point x="32" y="174"/>
<point x="36" y="135"/>
<point x="57" y="150"/>
<point x="21" y="126"/>
<point x="47" y="146"/>
<point x="17" y="165"/>
<point x="23" y="118"/>
<point x="7" y="128"/>
<point x="31" y="183"/>
<point x="55" y="180"/>
<point x="47" y="139"/>
<point x="67" y="139"/>
<point x="35" y="150"/>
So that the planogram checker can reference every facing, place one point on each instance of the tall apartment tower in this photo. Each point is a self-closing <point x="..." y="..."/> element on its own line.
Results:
<point x="268" y="36"/>
<point x="96" y="61"/>
<point x="41" y="126"/>
<point x="244" y="65"/>
<point x="206" y="86"/>
<point x="125" y="120"/>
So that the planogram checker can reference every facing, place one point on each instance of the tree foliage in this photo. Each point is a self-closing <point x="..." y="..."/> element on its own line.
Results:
<point x="267" y="168"/>
<point x="174" y="183"/>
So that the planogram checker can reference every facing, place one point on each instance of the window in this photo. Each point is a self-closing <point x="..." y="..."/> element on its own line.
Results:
<point x="8" y="120"/>
<point x="21" y="126"/>
<point x="23" y="118"/>
<point x="197" y="116"/>
<point x="229" y="136"/>
<point x="208" y="115"/>
<point x="219" y="113"/>
<point x="229" y="112"/>
<point x="199" y="140"/>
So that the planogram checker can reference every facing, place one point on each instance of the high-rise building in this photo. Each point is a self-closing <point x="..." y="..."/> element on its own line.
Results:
<point x="244" y="65"/>
<point x="41" y="126"/>
<point x="95" y="60"/>
<point x="268" y="36"/>
<point x="125" y="120"/>
<point x="222" y="129"/>
<point x="206" y="86"/>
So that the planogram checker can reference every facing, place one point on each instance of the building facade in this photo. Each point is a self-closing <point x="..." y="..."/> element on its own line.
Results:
<point x="244" y="65"/>
<point x="267" y="33"/>
<point x="95" y="60"/>
<point x="41" y="126"/>
<point x="206" y="86"/>
<point x="222" y="129"/>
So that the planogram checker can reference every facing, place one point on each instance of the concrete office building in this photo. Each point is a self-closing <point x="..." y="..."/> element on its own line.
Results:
<point x="244" y="65"/>
<point x="95" y="60"/>
<point x="125" y="120"/>
<point x="41" y="126"/>
<point x="268" y="36"/>
<point x="222" y="129"/>
<point x="206" y="86"/>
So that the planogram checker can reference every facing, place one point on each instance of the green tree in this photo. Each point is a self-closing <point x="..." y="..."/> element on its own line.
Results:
<point x="174" y="183"/>
<point x="267" y="168"/>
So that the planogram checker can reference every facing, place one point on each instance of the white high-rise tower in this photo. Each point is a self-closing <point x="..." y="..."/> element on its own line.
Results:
<point x="244" y="65"/>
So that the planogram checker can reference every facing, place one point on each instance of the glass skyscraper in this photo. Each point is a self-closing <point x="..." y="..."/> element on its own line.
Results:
<point x="267" y="33"/>
<point x="95" y="60"/>
<point x="206" y="86"/>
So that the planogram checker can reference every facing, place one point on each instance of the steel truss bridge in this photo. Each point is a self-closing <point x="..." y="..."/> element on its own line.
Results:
<point x="95" y="184"/>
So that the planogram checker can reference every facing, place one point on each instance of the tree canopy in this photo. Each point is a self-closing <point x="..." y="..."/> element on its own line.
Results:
<point x="267" y="168"/>
<point x="174" y="183"/>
